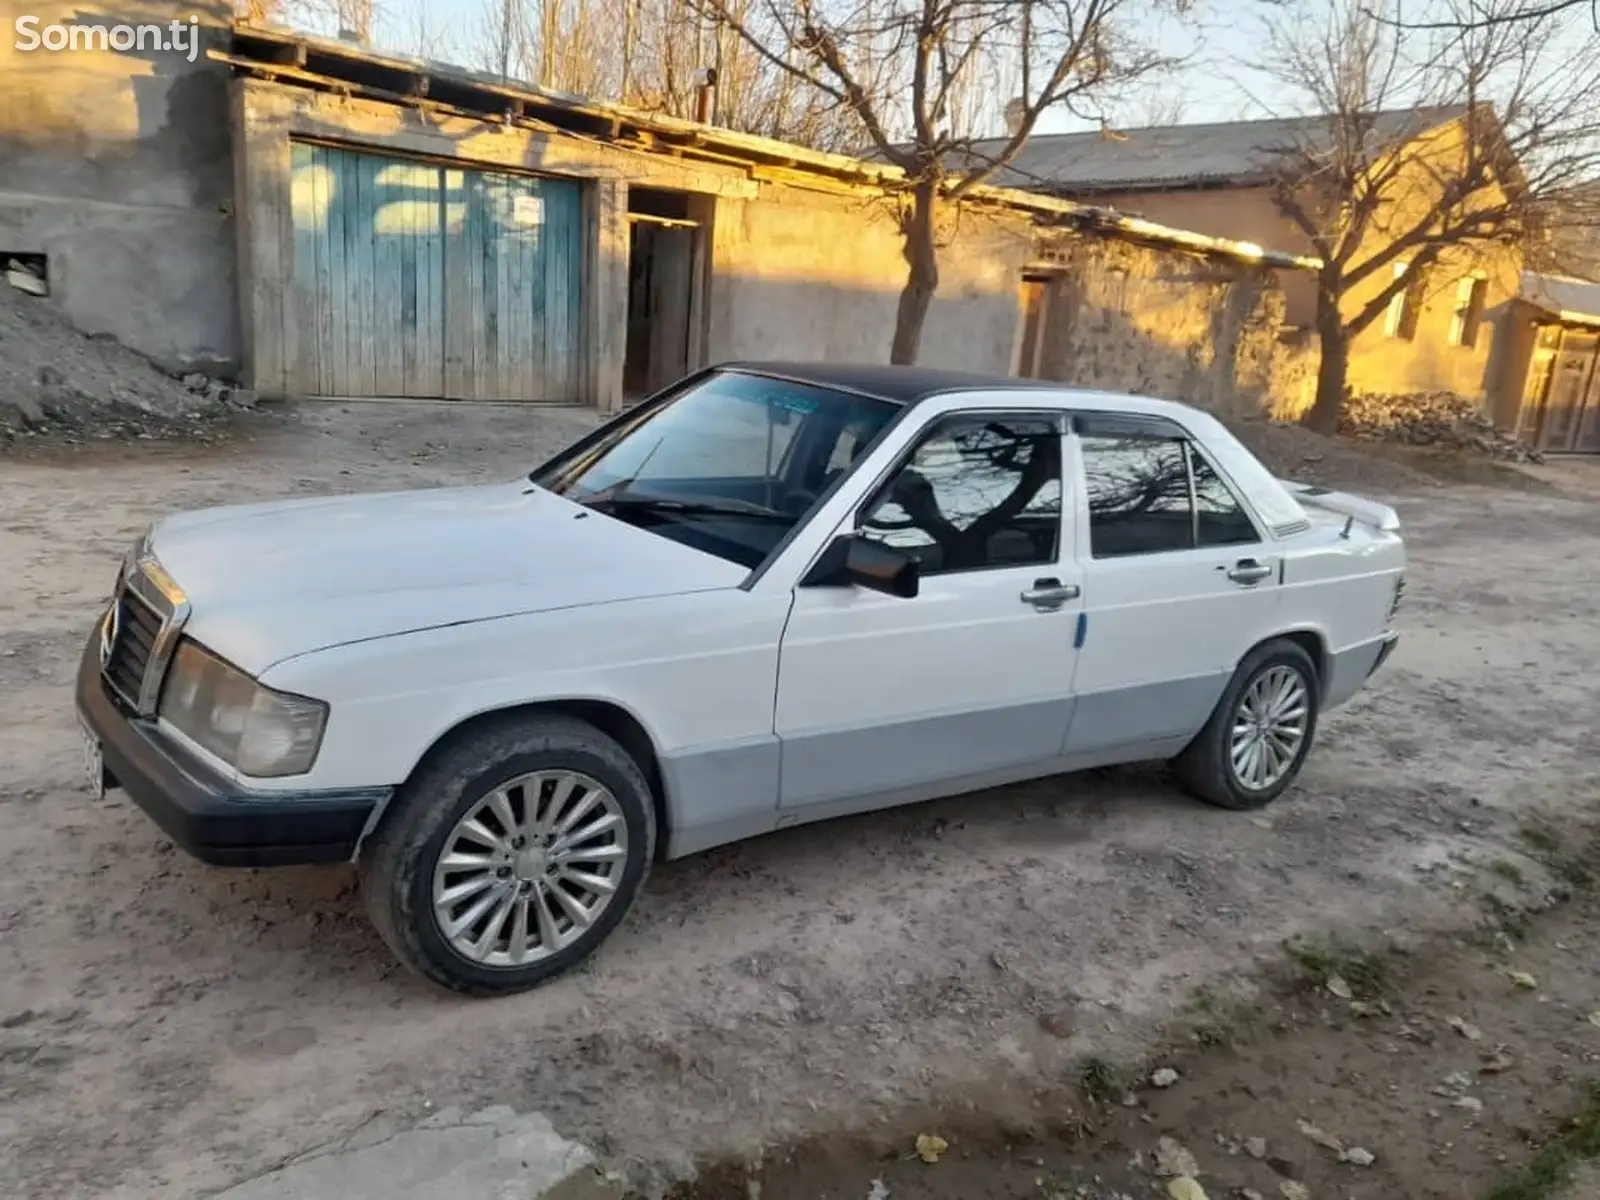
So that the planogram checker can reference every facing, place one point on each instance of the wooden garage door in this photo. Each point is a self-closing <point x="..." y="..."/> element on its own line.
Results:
<point x="416" y="280"/>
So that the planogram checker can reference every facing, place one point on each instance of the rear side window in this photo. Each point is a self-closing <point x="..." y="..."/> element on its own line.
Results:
<point x="1149" y="494"/>
<point x="1138" y="495"/>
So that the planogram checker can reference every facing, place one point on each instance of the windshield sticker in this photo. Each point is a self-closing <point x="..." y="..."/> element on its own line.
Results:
<point x="786" y="399"/>
<point x="795" y="404"/>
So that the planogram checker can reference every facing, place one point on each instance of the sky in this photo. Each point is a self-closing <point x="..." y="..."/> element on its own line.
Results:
<point x="1217" y="40"/>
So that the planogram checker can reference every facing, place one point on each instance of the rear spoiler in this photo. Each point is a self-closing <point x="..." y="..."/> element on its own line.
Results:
<point x="1353" y="508"/>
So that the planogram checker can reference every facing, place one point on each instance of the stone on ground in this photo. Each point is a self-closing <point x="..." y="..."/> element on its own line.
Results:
<point x="495" y="1152"/>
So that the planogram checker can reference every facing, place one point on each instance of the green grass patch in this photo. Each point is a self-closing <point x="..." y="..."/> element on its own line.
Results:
<point x="1099" y="1081"/>
<point x="1507" y="870"/>
<point x="1365" y="972"/>
<point x="1550" y="1170"/>
<point x="1539" y="839"/>
<point x="1204" y="1000"/>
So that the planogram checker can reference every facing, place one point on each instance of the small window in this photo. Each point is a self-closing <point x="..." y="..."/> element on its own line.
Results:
<point x="1138" y="488"/>
<point x="1470" y="295"/>
<point x="1220" y="520"/>
<point x="1405" y="306"/>
<point x="977" y="493"/>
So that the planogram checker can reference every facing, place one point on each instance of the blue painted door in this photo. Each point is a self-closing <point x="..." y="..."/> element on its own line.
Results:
<point x="512" y="259"/>
<point x="416" y="280"/>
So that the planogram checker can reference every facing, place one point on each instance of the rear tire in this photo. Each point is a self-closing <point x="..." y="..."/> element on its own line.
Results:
<point x="1252" y="748"/>
<point x="505" y="802"/>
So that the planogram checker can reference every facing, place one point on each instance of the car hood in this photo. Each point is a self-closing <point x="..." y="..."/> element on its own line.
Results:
<point x="269" y="581"/>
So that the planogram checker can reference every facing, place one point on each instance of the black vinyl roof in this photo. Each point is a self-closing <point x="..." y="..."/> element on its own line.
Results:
<point x="901" y="385"/>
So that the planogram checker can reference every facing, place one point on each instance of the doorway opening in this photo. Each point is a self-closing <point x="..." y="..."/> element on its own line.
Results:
<point x="666" y="254"/>
<point x="1034" y="301"/>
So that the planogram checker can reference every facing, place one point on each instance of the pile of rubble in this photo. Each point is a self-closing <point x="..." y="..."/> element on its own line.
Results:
<point x="1440" y="419"/>
<point x="60" y="384"/>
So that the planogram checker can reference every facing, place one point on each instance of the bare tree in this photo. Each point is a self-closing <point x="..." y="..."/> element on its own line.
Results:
<point x="1436" y="145"/>
<point x="420" y="36"/>
<point x="1165" y="104"/>
<point x="914" y="72"/>
<point x="355" y="17"/>
<point x="274" y="12"/>
<point x="1485" y="16"/>
<point x="572" y="46"/>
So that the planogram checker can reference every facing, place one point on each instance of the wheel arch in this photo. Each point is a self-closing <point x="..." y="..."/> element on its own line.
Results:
<point x="1313" y="641"/>
<point x="611" y="718"/>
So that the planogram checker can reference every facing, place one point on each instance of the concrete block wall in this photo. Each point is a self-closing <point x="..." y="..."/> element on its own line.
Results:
<point x="1164" y="323"/>
<point x="808" y="275"/>
<point x="117" y="165"/>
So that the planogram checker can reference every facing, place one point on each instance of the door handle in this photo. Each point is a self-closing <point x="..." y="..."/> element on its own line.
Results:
<point x="1248" y="571"/>
<point x="1049" y="594"/>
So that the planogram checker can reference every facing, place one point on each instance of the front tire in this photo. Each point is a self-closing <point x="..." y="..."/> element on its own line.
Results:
<point x="510" y="854"/>
<point x="1258" y="736"/>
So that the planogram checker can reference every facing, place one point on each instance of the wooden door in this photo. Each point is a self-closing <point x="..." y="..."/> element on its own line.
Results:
<point x="367" y="277"/>
<point x="1034" y="298"/>
<point x="513" y="257"/>
<point x="1571" y="375"/>
<point x="416" y="280"/>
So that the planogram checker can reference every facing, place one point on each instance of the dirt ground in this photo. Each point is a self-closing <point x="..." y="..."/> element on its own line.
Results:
<point x="167" y="1028"/>
<point x="1439" y="1066"/>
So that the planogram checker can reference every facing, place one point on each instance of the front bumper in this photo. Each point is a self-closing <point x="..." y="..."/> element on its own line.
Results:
<point x="203" y="811"/>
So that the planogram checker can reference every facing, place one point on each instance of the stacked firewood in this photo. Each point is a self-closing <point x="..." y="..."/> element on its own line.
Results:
<point x="1444" y="420"/>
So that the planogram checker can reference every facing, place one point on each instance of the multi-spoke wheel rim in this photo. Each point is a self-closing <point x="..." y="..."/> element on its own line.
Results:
<point x="529" y="868"/>
<point x="1269" y="727"/>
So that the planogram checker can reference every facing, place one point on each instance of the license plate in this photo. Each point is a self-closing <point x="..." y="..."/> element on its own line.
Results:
<point x="94" y="765"/>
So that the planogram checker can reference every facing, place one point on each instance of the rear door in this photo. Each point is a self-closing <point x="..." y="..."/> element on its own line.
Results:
<point x="1179" y="582"/>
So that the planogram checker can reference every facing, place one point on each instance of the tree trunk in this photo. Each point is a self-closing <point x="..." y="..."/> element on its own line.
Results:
<point x="922" y="278"/>
<point x="1323" y="416"/>
<point x="628" y="7"/>
<point x="1325" y="411"/>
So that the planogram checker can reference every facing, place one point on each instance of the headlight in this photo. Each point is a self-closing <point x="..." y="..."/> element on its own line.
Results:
<point x="261" y="732"/>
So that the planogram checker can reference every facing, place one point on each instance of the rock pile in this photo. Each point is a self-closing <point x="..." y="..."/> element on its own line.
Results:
<point x="1441" y="419"/>
<point x="59" y="383"/>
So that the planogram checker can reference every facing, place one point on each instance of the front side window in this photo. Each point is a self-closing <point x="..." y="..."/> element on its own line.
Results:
<point x="1149" y="494"/>
<point x="976" y="493"/>
<point x="728" y="465"/>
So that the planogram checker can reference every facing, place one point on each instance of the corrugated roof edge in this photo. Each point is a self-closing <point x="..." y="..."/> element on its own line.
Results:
<point x="858" y="171"/>
<point x="1569" y="299"/>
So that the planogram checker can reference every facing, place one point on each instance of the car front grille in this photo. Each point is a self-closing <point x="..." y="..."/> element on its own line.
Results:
<point x="1399" y="594"/>
<point x="135" y="641"/>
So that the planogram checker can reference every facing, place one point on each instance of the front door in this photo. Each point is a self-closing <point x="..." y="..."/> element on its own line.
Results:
<point x="1178" y="582"/>
<point x="879" y="695"/>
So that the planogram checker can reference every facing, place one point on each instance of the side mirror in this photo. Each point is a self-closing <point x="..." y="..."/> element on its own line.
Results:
<point x="855" y="561"/>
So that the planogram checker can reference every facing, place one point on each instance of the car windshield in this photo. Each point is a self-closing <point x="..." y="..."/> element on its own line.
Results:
<point x="728" y="465"/>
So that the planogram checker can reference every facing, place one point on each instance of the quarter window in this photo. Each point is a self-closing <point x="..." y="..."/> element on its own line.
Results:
<point x="977" y="493"/>
<point x="1149" y="494"/>
<point x="1220" y="520"/>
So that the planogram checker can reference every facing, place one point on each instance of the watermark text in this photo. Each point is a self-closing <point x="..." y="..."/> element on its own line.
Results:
<point x="178" y="37"/>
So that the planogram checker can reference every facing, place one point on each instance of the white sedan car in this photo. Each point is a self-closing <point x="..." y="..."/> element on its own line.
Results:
<point x="774" y="594"/>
